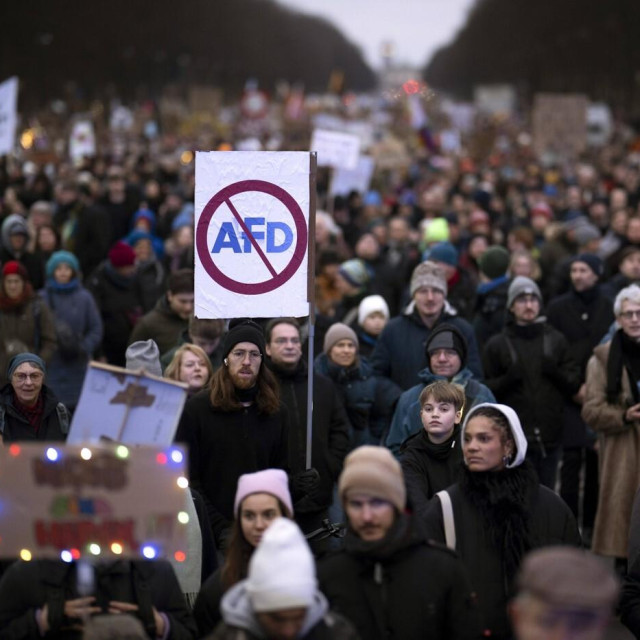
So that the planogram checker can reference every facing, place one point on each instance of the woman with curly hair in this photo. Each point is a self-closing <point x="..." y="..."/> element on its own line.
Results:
<point x="497" y="511"/>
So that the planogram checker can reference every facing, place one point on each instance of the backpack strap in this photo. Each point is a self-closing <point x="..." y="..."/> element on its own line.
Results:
<point x="64" y="419"/>
<point x="447" y="517"/>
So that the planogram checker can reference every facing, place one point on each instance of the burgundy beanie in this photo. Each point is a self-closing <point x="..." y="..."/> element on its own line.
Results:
<point x="121" y="255"/>
<point x="13" y="267"/>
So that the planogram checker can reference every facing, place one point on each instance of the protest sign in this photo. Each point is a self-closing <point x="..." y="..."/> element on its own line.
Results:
<point x="344" y="181"/>
<point x="95" y="501"/>
<point x="8" y="114"/>
<point x="559" y="124"/>
<point x="252" y="221"/>
<point x="336" y="149"/>
<point x="82" y="142"/>
<point x="126" y="406"/>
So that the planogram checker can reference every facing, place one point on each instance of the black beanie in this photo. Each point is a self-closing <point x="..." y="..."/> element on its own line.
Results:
<point x="243" y="330"/>
<point x="446" y="336"/>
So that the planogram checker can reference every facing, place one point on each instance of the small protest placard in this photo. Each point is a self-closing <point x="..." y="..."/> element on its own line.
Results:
<point x="336" y="149"/>
<point x="559" y="124"/>
<point x="95" y="501"/>
<point x="130" y="407"/>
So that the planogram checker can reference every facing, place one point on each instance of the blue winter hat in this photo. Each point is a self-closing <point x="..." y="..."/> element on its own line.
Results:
<point x="443" y="252"/>
<point x="21" y="358"/>
<point x="355" y="272"/>
<point x="62" y="257"/>
<point x="135" y="236"/>
<point x="372" y="198"/>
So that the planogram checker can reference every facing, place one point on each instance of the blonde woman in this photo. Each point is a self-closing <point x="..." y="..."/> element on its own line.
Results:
<point x="190" y="364"/>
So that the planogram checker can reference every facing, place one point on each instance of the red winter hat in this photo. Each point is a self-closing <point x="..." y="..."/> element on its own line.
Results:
<point x="13" y="267"/>
<point x="121" y="255"/>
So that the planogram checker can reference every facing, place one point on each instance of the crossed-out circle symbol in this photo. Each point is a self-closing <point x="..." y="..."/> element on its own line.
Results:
<point x="224" y="197"/>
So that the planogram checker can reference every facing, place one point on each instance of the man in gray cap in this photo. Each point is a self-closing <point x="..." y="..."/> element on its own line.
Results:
<point x="399" y="352"/>
<point x="238" y="425"/>
<point x="28" y="408"/>
<point x="563" y="593"/>
<point x="528" y="366"/>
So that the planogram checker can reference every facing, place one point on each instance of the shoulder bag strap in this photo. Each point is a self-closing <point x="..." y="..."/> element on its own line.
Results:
<point x="447" y="517"/>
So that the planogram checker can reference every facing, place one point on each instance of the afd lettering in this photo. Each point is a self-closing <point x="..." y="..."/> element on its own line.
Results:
<point x="240" y="243"/>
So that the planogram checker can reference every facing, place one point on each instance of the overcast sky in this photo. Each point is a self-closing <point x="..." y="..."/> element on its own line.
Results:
<point x="417" y="28"/>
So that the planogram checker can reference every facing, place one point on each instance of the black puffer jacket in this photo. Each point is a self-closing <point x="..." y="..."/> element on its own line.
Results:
<point x="330" y="440"/>
<point x="530" y="369"/>
<point x="400" y="587"/>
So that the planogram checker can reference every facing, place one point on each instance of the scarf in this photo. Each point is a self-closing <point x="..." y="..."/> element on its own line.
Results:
<point x="57" y="287"/>
<point x="624" y="353"/>
<point x="246" y="395"/>
<point x="504" y="501"/>
<point x="32" y="414"/>
<point x="14" y="304"/>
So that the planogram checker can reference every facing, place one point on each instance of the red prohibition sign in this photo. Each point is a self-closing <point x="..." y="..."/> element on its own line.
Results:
<point x="224" y="197"/>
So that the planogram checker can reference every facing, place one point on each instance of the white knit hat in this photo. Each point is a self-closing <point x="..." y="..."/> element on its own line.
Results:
<point x="282" y="572"/>
<point x="370" y="305"/>
<point x="144" y="354"/>
<point x="514" y="424"/>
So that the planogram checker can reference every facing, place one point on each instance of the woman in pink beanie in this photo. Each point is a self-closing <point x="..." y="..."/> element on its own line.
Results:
<point x="261" y="498"/>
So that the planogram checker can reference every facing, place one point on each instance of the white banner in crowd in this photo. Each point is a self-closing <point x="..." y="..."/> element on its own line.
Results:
<point x="106" y="501"/>
<point x="82" y="142"/>
<point x="336" y="149"/>
<point x="251" y="234"/>
<point x="8" y="115"/>
<point x="359" y="179"/>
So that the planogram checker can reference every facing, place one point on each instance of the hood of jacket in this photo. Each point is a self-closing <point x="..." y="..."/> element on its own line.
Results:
<point x="462" y="377"/>
<point x="237" y="611"/>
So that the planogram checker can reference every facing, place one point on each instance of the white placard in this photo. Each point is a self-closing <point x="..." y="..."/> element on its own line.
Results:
<point x="8" y="115"/>
<point x="336" y="149"/>
<point x="82" y="143"/>
<point x="98" y="502"/>
<point x="126" y="406"/>
<point x="346" y="180"/>
<point x="252" y="230"/>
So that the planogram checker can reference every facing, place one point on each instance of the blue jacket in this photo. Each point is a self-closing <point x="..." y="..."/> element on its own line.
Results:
<point x="406" y="419"/>
<point x="76" y="307"/>
<point x="399" y="353"/>
<point x="368" y="399"/>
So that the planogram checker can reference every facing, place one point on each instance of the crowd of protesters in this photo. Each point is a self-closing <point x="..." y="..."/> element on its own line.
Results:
<point x="476" y="393"/>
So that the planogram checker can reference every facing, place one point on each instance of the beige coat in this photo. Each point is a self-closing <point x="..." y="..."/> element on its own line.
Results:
<point x="619" y="456"/>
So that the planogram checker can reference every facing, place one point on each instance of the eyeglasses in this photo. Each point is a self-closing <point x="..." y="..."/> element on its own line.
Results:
<point x="629" y="315"/>
<point x="23" y="377"/>
<point x="241" y="354"/>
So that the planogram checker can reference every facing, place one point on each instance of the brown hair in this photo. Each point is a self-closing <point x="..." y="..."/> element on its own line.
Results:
<point x="274" y="322"/>
<point x="173" y="368"/>
<point x="443" y="391"/>
<point x="239" y="552"/>
<point x="223" y="394"/>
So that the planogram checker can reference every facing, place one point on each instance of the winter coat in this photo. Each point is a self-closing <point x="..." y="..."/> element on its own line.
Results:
<point x="400" y="587"/>
<point x="461" y="293"/>
<point x="240" y="622"/>
<point x="619" y="456"/>
<point x="27" y="328"/>
<point x="368" y="399"/>
<point x="490" y="310"/>
<point x="406" y="418"/>
<point x="15" y="427"/>
<point x="529" y="368"/>
<point x="583" y="319"/>
<point x="550" y="523"/>
<point x="330" y="438"/>
<point x="399" y="353"/>
<point x="151" y="276"/>
<point x="75" y="307"/>
<point x="630" y="596"/>
<point x="119" y="303"/>
<point x="27" y="586"/>
<point x="161" y="324"/>
<point x="429" y="468"/>
<point x="223" y="445"/>
<point x="86" y="232"/>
